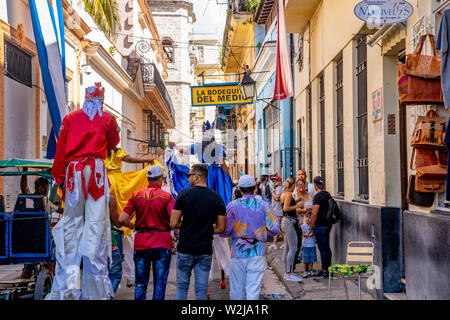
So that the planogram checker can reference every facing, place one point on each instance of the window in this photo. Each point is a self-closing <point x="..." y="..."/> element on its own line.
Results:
<point x="272" y="135"/>
<point x="322" y="126"/>
<point x="168" y="50"/>
<point x="340" y="126"/>
<point x="17" y="64"/>
<point x="362" y="160"/>
<point x="300" y="161"/>
<point x="201" y="53"/>
<point x="310" y="150"/>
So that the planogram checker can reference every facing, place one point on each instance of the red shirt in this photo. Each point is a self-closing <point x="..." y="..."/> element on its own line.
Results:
<point x="153" y="207"/>
<point x="81" y="137"/>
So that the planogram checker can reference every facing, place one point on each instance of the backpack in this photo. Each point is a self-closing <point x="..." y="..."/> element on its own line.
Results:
<point x="333" y="213"/>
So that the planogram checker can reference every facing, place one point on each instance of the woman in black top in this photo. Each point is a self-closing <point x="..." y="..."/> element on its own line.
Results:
<point x="288" y="224"/>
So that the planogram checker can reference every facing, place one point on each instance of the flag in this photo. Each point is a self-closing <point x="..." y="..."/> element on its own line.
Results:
<point x="283" y="75"/>
<point x="48" y="28"/>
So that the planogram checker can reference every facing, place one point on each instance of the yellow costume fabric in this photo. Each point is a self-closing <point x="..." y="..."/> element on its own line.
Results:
<point x="124" y="184"/>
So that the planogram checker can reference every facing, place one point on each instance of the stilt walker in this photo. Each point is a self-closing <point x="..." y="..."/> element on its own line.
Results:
<point x="213" y="155"/>
<point x="83" y="235"/>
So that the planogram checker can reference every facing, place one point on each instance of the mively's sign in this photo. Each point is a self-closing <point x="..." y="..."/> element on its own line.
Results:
<point x="380" y="12"/>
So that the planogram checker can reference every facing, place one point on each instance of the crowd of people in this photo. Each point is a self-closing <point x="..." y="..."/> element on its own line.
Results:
<point x="126" y="223"/>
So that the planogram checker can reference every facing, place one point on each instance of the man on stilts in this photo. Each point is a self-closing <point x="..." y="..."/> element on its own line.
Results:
<point x="83" y="235"/>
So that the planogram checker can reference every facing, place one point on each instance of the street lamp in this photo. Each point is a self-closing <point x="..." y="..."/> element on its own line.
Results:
<point x="247" y="86"/>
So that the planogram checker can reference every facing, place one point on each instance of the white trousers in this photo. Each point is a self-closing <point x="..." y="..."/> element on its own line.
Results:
<point x="246" y="277"/>
<point x="83" y="245"/>
<point x="128" y="252"/>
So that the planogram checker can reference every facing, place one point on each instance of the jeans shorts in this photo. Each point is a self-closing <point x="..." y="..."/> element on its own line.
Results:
<point x="309" y="254"/>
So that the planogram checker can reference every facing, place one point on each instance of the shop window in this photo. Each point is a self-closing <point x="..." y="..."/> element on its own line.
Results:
<point x="17" y="64"/>
<point x="361" y="118"/>
<point x="322" y="125"/>
<point x="271" y="119"/>
<point x="340" y="126"/>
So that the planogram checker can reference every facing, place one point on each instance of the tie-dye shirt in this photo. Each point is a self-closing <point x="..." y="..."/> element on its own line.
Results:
<point x="249" y="218"/>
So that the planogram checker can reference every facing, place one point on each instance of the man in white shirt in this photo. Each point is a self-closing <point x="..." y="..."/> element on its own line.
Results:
<point x="301" y="174"/>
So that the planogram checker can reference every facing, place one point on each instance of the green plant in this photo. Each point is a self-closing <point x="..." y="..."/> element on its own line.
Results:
<point x="105" y="15"/>
<point x="112" y="50"/>
<point x="230" y="28"/>
<point x="251" y="5"/>
<point x="229" y="12"/>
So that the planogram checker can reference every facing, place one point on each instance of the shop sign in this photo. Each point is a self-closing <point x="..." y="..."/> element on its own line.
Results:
<point x="218" y="94"/>
<point x="377" y="105"/>
<point x="380" y="12"/>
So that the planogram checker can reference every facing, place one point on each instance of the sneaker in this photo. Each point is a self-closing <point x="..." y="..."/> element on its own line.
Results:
<point x="305" y="274"/>
<point x="273" y="246"/>
<point x="321" y="275"/>
<point x="311" y="273"/>
<point x="292" y="277"/>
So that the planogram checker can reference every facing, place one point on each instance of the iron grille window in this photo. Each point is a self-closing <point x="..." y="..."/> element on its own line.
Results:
<point x="362" y="161"/>
<point x="310" y="149"/>
<point x="340" y="126"/>
<point x="322" y="126"/>
<point x="272" y="124"/>
<point x="17" y="64"/>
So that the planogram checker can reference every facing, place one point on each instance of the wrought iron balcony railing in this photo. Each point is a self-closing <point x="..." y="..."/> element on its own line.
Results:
<point x="151" y="77"/>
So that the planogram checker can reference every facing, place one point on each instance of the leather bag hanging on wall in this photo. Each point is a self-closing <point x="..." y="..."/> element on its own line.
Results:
<point x="431" y="169"/>
<point x="419" y="78"/>
<point x="429" y="131"/>
<point x="421" y="199"/>
<point x="424" y="66"/>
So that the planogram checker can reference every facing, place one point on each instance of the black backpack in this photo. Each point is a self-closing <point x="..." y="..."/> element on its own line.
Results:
<point x="333" y="213"/>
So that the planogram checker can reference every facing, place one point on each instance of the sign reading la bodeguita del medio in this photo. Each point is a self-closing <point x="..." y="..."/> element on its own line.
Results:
<point x="218" y="94"/>
<point x="381" y="12"/>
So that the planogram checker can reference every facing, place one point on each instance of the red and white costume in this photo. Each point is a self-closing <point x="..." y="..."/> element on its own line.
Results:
<point x="84" y="232"/>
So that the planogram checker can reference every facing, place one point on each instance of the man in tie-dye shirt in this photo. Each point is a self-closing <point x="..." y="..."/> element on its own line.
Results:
<point x="249" y="221"/>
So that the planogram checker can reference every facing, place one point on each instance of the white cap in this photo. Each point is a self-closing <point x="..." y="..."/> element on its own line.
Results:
<point x="246" y="181"/>
<point x="155" y="171"/>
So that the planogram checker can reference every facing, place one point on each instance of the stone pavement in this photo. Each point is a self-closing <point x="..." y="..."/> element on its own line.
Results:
<point x="310" y="288"/>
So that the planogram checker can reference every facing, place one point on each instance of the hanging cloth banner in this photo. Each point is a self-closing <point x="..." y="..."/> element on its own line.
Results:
<point x="48" y="28"/>
<point x="283" y="76"/>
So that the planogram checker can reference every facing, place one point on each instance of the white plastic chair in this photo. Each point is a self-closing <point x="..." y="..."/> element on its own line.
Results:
<point x="358" y="253"/>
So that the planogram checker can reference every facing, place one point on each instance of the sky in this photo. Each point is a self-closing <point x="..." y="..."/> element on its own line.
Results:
<point x="210" y="16"/>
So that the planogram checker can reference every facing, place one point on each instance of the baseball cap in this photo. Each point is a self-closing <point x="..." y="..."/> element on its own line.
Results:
<point x="246" y="181"/>
<point x="155" y="171"/>
<point x="319" y="182"/>
<point x="276" y="178"/>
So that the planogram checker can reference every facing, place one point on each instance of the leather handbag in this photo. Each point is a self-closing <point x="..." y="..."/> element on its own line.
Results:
<point x="429" y="131"/>
<point x="424" y="66"/>
<point x="431" y="169"/>
<point x="420" y="199"/>
<point x="418" y="91"/>
<point x="419" y="78"/>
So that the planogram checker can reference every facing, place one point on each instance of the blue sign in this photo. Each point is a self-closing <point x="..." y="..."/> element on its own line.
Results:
<point x="381" y="12"/>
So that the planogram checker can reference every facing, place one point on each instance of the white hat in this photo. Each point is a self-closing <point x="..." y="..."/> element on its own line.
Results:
<point x="246" y="181"/>
<point x="155" y="171"/>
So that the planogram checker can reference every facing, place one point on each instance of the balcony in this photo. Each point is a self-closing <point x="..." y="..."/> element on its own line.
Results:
<point x="298" y="13"/>
<point x="157" y="92"/>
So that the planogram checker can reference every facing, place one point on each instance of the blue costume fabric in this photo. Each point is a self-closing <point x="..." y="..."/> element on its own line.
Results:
<point x="218" y="180"/>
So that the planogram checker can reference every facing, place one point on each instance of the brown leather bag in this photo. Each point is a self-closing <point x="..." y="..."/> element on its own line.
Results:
<point x="418" y="91"/>
<point x="431" y="169"/>
<point x="424" y="66"/>
<point x="421" y="199"/>
<point x="419" y="78"/>
<point x="429" y="131"/>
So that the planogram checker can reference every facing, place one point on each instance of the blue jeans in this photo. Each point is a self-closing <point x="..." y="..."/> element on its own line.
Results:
<point x="322" y="235"/>
<point x="161" y="264"/>
<point x="201" y="263"/>
<point x="115" y="269"/>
